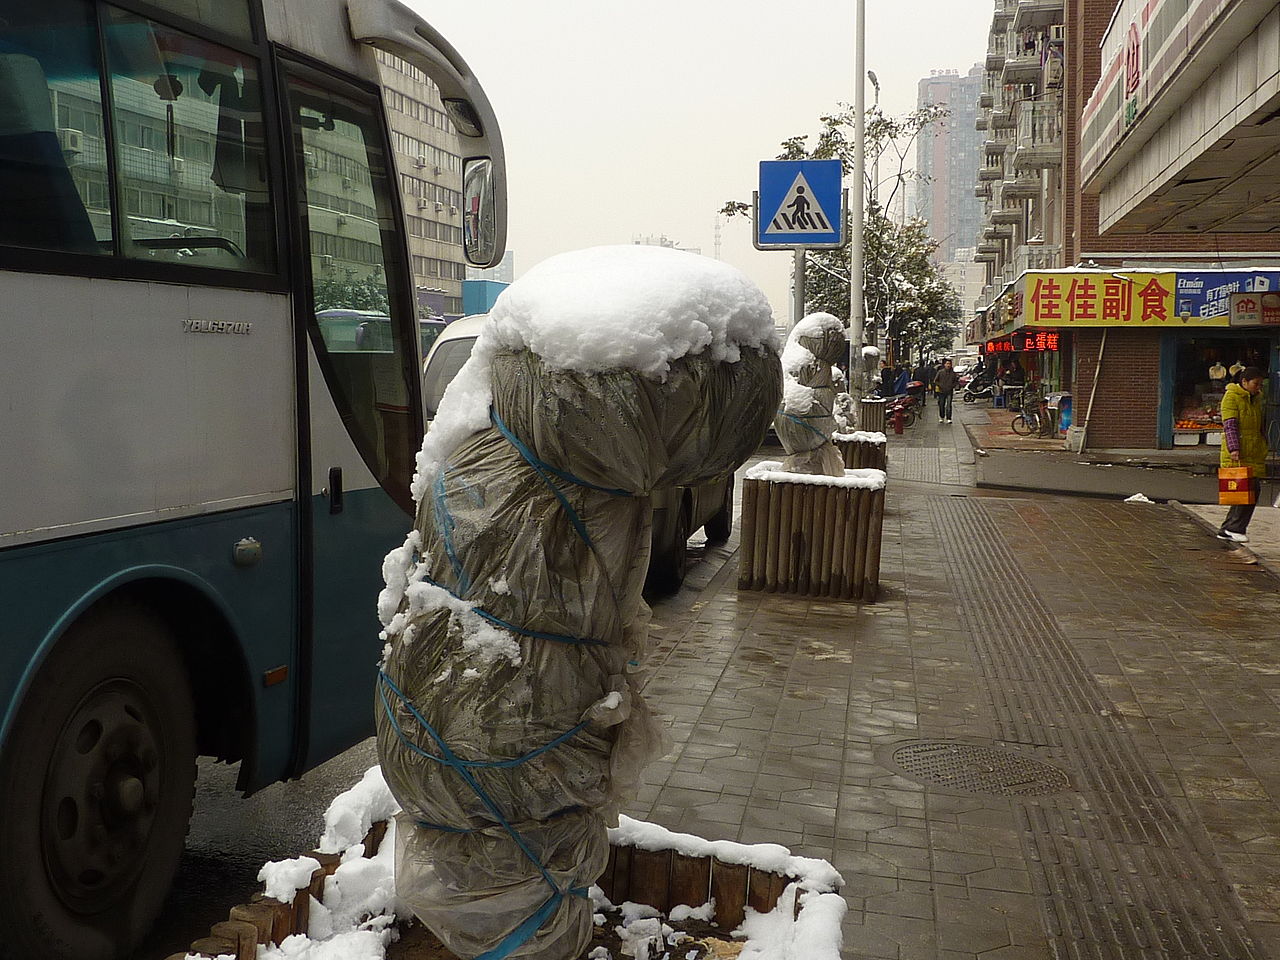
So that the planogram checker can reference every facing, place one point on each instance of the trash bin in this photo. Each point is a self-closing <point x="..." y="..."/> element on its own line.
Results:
<point x="872" y="416"/>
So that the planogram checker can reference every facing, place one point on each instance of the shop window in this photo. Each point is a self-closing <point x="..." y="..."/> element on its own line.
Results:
<point x="1203" y="367"/>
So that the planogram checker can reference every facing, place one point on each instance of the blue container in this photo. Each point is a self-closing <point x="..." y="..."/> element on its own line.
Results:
<point x="998" y="402"/>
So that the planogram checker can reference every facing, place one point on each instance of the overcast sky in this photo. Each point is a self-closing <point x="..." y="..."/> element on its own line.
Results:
<point x="628" y="120"/>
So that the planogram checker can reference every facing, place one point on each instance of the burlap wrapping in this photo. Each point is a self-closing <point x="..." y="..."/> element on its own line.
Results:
<point x="494" y="533"/>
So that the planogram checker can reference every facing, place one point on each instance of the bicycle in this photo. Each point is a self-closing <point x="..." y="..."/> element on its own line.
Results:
<point x="1026" y="423"/>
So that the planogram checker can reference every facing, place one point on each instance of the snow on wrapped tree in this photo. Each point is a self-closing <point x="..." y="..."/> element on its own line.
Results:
<point x="509" y="719"/>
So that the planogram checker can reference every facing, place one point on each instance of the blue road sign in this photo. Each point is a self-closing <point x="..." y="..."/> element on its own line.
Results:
<point x="799" y="204"/>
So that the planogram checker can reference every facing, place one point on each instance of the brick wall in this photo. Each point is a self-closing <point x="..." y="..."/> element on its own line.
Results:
<point x="1124" y="410"/>
<point x="1086" y="22"/>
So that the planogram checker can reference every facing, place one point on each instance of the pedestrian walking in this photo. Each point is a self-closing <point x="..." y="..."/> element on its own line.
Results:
<point x="945" y="384"/>
<point x="1243" y="444"/>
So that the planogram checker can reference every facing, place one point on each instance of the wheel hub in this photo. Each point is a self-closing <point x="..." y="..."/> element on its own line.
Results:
<point x="101" y="792"/>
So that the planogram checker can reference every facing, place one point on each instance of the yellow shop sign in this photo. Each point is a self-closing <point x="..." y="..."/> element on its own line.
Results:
<point x="1103" y="299"/>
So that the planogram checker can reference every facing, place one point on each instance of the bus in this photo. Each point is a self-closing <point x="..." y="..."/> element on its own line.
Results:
<point x="198" y="480"/>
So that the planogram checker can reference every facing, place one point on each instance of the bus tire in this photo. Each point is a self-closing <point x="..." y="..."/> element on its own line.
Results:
<point x="667" y="564"/>
<point x="720" y="526"/>
<point x="96" y="784"/>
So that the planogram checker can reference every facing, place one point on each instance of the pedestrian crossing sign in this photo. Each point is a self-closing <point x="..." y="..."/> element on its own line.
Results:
<point x="800" y="203"/>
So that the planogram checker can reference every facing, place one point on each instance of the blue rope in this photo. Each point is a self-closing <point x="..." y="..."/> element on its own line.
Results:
<point x="807" y="426"/>
<point x="522" y="631"/>
<point x="445" y="524"/>
<point x="472" y="764"/>
<point x="531" y="924"/>
<point x="542" y="466"/>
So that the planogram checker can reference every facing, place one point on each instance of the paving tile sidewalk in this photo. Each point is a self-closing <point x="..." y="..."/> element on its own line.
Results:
<point x="1119" y="644"/>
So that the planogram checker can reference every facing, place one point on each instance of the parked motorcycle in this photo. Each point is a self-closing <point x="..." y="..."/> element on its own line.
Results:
<point x="976" y="390"/>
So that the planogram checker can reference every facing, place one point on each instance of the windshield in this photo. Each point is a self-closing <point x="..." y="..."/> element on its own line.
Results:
<point x="442" y="368"/>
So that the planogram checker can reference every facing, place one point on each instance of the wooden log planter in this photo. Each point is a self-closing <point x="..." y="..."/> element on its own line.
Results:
<point x="651" y="865"/>
<point x="647" y="864"/>
<point x="861" y="450"/>
<point x="264" y="920"/>
<point x="812" y="536"/>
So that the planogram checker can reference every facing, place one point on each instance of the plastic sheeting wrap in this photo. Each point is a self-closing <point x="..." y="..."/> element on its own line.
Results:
<point x="509" y="722"/>
<point x="807" y="419"/>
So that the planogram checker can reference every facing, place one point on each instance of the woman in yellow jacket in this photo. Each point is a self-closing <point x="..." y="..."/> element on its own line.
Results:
<point x="1243" y="443"/>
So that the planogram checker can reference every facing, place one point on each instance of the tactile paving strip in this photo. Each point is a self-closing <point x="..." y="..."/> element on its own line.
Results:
<point x="979" y="769"/>
<point x="1123" y="872"/>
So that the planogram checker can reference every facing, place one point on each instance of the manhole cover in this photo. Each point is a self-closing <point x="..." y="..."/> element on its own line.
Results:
<point x="977" y="769"/>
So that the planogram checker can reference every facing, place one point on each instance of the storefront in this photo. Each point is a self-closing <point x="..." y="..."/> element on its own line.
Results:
<point x="1141" y="350"/>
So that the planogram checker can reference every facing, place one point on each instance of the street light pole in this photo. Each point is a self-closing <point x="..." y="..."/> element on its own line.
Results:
<point x="875" y="163"/>
<point x="857" y="307"/>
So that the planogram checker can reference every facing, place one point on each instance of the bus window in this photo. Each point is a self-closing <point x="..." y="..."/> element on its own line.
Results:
<point x="190" y="151"/>
<point x="347" y="211"/>
<point x="53" y="168"/>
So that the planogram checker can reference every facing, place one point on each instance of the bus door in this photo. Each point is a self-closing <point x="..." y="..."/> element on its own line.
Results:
<point x="361" y="402"/>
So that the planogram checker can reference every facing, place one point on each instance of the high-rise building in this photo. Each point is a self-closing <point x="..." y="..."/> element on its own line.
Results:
<point x="428" y="159"/>
<point x="946" y="158"/>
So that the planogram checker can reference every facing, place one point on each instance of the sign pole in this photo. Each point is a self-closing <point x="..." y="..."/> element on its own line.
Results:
<point x="857" y="307"/>
<point x="797" y="287"/>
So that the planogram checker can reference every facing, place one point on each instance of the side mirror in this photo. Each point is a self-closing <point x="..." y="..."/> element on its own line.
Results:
<point x="479" y="213"/>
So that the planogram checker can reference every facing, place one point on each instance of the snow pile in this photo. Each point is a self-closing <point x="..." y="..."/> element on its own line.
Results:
<point x="861" y="436"/>
<point x="780" y="935"/>
<point x="871" y="352"/>
<point x="632" y="307"/>
<point x="353" y="813"/>
<point x="355" y="919"/>
<point x="771" y="857"/>
<point x="1138" y="498"/>
<point x="863" y="478"/>
<point x="284" y="878"/>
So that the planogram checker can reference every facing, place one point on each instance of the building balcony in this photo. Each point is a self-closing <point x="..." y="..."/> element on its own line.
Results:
<point x="1023" y="67"/>
<point x="990" y="246"/>
<point x="1003" y="13"/>
<point x="1021" y="185"/>
<point x="980" y="123"/>
<point x="995" y="147"/>
<point x="991" y="171"/>
<point x="1037" y="13"/>
<point x="997" y="231"/>
<point x="997" y="48"/>
<point x="982" y="190"/>
<point x="1039" y="142"/>
<point x="1036" y="256"/>
<point x="984" y="100"/>
<point x="1007" y="213"/>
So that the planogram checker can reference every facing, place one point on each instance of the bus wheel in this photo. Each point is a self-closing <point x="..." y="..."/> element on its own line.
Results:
<point x="96" y="782"/>
<point x="720" y="526"/>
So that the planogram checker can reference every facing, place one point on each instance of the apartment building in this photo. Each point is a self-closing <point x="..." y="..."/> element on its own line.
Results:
<point x="429" y="162"/>
<point x="946" y="153"/>
<point x="1163" y="217"/>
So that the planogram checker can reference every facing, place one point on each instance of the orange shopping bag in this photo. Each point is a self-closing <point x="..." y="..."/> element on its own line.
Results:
<point x="1235" y="485"/>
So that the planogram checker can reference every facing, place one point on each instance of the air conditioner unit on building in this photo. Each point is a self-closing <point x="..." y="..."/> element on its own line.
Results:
<point x="439" y="206"/>
<point x="309" y="159"/>
<point x="326" y="261"/>
<point x="423" y="203"/>
<point x="72" y="140"/>
<point x="176" y="164"/>
<point x="453" y="211"/>
<point x="438" y="171"/>
<point x="1058" y="33"/>
<point x="419" y="161"/>
<point x="346" y="183"/>
<point x="342" y="221"/>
